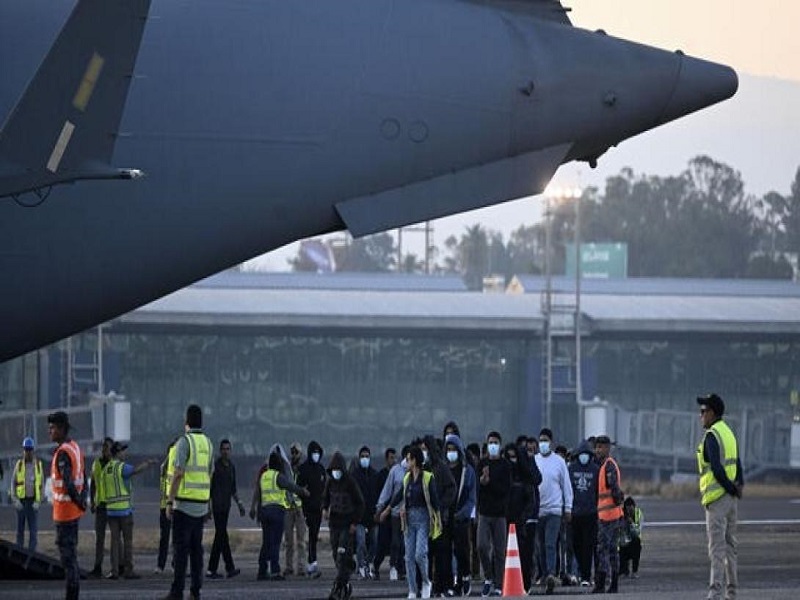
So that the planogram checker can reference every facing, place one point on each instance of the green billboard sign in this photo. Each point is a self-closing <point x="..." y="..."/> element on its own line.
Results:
<point x="600" y="261"/>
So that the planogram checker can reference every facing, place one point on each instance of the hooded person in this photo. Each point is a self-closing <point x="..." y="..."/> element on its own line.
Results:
<point x="384" y="509"/>
<point x="457" y="523"/>
<point x="311" y="475"/>
<point x="294" y="531"/>
<point x="583" y="471"/>
<point x="367" y="532"/>
<point x="343" y="508"/>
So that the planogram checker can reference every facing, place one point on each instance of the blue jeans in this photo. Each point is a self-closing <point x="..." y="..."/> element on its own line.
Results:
<point x="27" y="513"/>
<point x="417" y="528"/>
<point x="273" y="518"/>
<point x="548" y="530"/>
<point x="366" y="543"/>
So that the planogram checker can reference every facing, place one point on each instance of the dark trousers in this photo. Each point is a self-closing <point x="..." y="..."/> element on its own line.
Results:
<point x="492" y="532"/>
<point x="221" y="544"/>
<point x="29" y="514"/>
<point x="527" y="545"/>
<point x="474" y="559"/>
<point x="67" y="542"/>
<point x="100" y="523"/>
<point x="584" y="541"/>
<point x="121" y="544"/>
<point x="384" y="544"/>
<point x="165" y="527"/>
<point x="313" y="521"/>
<point x="607" y="551"/>
<point x="187" y="536"/>
<point x="342" y="546"/>
<point x="397" y="553"/>
<point x="455" y="542"/>
<point x="630" y="552"/>
<point x="273" y="518"/>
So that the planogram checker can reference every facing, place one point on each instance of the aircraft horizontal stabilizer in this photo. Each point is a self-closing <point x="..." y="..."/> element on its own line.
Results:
<point x="64" y="126"/>
<point x="492" y="183"/>
<point x="551" y="10"/>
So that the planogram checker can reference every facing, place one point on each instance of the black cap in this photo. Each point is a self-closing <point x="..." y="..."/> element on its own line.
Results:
<point x="602" y="439"/>
<point x="714" y="402"/>
<point x="118" y="447"/>
<point x="58" y="418"/>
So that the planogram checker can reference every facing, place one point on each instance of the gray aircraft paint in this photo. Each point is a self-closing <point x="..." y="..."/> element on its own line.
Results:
<point x="260" y="122"/>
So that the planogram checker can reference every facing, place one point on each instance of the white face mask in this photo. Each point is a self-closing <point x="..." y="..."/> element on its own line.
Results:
<point x="452" y="455"/>
<point x="544" y="447"/>
<point x="513" y="459"/>
<point x="315" y="457"/>
<point x="494" y="449"/>
<point x="336" y="474"/>
<point x="583" y="458"/>
<point x="424" y="456"/>
<point x="364" y="462"/>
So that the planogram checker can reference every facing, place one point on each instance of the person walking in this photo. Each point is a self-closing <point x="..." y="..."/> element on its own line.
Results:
<point x="164" y="524"/>
<point x="386" y="511"/>
<point x="366" y="533"/>
<point x="223" y="488"/>
<point x="187" y="502"/>
<point x="294" y="531"/>
<point x="384" y="527"/>
<point x="119" y="507"/>
<point x="721" y="484"/>
<point x="69" y="498"/>
<point x="583" y="472"/>
<point x="343" y="507"/>
<point x="630" y="540"/>
<point x="268" y="507"/>
<point x="609" y="517"/>
<point x="494" y="479"/>
<point x="311" y="476"/>
<point x="456" y="526"/>
<point x="555" y="504"/>
<point x="97" y="506"/>
<point x="27" y="491"/>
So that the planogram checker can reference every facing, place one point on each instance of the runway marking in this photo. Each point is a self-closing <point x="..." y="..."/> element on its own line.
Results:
<point x="744" y="522"/>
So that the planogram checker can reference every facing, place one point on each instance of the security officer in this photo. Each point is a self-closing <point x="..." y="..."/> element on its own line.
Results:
<point x="187" y="502"/>
<point x="97" y="505"/>
<point x="27" y="491"/>
<point x="609" y="516"/>
<point x="721" y="484"/>
<point x="69" y="497"/>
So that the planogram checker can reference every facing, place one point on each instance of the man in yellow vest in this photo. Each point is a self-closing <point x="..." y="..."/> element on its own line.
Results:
<point x="97" y="505"/>
<point x="721" y="484"/>
<point x="27" y="491"/>
<point x="187" y="502"/>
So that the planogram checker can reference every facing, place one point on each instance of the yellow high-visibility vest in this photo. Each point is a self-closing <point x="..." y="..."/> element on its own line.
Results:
<point x="118" y="493"/>
<point x="97" y="482"/>
<point x="195" y="484"/>
<point x="710" y="489"/>
<point x="19" y="479"/>
<point x="270" y="492"/>
<point x="167" y="471"/>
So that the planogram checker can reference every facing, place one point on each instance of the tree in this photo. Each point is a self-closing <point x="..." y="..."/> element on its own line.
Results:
<point x="373" y="253"/>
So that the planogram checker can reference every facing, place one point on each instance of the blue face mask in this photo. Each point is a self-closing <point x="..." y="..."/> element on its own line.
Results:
<point x="494" y="449"/>
<point x="336" y="474"/>
<point x="583" y="458"/>
<point x="364" y="462"/>
<point x="315" y="457"/>
<point x="452" y="455"/>
<point x="544" y="448"/>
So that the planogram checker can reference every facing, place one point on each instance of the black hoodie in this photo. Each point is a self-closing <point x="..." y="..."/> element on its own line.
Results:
<point x="311" y="476"/>
<point x="342" y="497"/>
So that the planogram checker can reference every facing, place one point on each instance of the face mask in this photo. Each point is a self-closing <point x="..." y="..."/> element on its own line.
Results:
<point x="452" y="455"/>
<point x="336" y="474"/>
<point x="513" y="459"/>
<point x="544" y="448"/>
<point x="315" y="457"/>
<point x="583" y="458"/>
<point x="424" y="456"/>
<point x="404" y="464"/>
<point x="494" y="449"/>
<point x="364" y="461"/>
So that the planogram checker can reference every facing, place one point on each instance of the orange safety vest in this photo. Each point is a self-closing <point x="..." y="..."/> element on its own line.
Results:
<point x="64" y="509"/>
<point x="607" y="509"/>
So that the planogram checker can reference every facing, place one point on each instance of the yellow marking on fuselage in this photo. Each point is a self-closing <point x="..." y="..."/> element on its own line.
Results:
<point x="90" y="77"/>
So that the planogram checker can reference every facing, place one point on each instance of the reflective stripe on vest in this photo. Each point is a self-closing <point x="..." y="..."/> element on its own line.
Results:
<point x="607" y="509"/>
<point x="64" y="509"/>
<point x="19" y="480"/>
<point x="196" y="481"/>
<point x="118" y="494"/>
<point x="710" y="488"/>
<point x="270" y="492"/>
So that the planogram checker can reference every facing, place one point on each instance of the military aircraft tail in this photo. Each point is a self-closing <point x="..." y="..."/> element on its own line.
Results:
<point x="65" y="124"/>
<point x="550" y="10"/>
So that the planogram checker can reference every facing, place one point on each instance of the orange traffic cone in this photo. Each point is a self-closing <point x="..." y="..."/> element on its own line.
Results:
<point x="512" y="579"/>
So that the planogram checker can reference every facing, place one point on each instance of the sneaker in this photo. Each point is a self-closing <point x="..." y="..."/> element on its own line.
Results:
<point x="466" y="586"/>
<point x="426" y="589"/>
<point x="112" y="576"/>
<point x="362" y="572"/>
<point x="412" y="594"/>
<point x="585" y="583"/>
<point x="487" y="589"/>
<point x="497" y="591"/>
<point x="392" y="574"/>
<point x="373" y="573"/>
<point x="549" y="584"/>
<point x="232" y="573"/>
<point x="158" y="571"/>
<point x="213" y="575"/>
<point x="278" y="577"/>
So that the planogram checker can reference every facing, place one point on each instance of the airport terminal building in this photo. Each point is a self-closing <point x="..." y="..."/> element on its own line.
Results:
<point x="352" y="359"/>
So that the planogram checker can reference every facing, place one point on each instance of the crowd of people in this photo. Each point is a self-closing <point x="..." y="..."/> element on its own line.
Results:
<point x="439" y="511"/>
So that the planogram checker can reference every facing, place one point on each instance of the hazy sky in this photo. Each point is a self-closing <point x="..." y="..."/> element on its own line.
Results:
<point x="759" y="38"/>
<point x="756" y="132"/>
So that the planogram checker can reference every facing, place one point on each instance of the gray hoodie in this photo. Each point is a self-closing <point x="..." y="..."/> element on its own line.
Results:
<point x="393" y="485"/>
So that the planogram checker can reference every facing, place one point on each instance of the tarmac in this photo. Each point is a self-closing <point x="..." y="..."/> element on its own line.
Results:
<point x="674" y="560"/>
